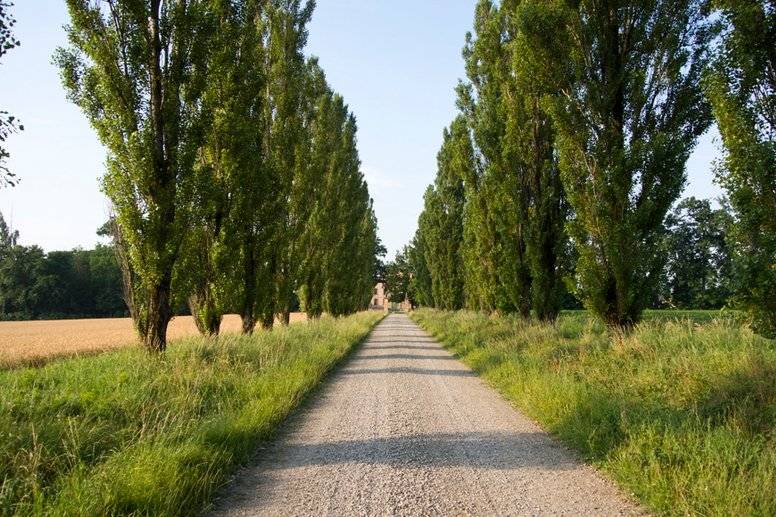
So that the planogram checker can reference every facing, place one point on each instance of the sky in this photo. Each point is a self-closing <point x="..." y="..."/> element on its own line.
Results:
<point x="396" y="62"/>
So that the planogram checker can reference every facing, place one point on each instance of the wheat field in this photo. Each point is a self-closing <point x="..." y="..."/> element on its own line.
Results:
<point x="23" y="342"/>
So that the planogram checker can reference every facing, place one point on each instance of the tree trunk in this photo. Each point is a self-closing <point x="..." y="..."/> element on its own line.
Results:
<point x="158" y="318"/>
<point x="285" y="316"/>
<point x="268" y="321"/>
<point x="248" y="309"/>
<point x="248" y="322"/>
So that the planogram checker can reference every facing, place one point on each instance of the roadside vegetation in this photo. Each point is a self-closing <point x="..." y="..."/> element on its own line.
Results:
<point x="121" y="433"/>
<point x="232" y="165"/>
<point x="559" y="182"/>
<point x="680" y="411"/>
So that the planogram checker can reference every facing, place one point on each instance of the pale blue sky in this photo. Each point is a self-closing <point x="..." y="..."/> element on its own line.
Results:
<point x="395" y="61"/>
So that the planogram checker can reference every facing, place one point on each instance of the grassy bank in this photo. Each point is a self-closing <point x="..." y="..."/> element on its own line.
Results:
<point x="682" y="412"/>
<point x="126" y="433"/>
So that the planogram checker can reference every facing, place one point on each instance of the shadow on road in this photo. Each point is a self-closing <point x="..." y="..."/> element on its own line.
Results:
<point x="408" y="370"/>
<point x="404" y="356"/>
<point x="482" y="450"/>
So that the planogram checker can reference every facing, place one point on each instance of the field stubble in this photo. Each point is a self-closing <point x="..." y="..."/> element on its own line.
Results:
<point x="33" y="342"/>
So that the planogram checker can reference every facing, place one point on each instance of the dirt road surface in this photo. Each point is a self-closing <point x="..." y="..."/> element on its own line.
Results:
<point x="405" y="429"/>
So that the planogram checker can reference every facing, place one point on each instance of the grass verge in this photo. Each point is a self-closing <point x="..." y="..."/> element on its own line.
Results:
<point x="125" y="433"/>
<point x="681" y="413"/>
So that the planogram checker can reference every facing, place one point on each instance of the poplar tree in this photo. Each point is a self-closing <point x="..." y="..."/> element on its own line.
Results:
<point x="286" y="140"/>
<point x="529" y="149"/>
<point x="137" y="70"/>
<point x="443" y="218"/>
<point x="502" y="207"/>
<point x="628" y="111"/>
<point x="741" y="87"/>
<point x="226" y="163"/>
<point x="317" y="194"/>
<point x="350" y="262"/>
<point x="420" y="285"/>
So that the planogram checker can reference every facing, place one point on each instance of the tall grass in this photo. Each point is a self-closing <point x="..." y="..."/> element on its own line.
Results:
<point x="125" y="433"/>
<point x="681" y="413"/>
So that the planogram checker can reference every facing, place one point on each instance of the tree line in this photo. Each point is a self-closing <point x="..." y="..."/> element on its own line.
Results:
<point x="232" y="166"/>
<point x="576" y="120"/>
<point x="60" y="284"/>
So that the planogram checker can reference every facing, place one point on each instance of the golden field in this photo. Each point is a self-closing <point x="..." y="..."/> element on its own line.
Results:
<point x="33" y="341"/>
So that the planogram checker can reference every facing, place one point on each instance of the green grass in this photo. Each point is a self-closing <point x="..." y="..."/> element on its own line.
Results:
<point x="681" y="412"/>
<point x="126" y="433"/>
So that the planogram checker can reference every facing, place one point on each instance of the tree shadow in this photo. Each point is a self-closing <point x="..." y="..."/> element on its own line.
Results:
<point x="405" y="356"/>
<point x="402" y="339"/>
<point x="402" y="347"/>
<point x="481" y="450"/>
<point x="408" y="370"/>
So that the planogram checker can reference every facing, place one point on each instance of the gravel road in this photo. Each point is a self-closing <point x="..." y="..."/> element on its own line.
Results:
<point x="405" y="429"/>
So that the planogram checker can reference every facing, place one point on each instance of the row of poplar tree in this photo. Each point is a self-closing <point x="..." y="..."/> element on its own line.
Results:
<point x="232" y="166"/>
<point x="576" y="122"/>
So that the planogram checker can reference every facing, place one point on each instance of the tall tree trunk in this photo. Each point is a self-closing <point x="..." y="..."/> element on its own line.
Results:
<point x="158" y="318"/>
<point x="248" y="309"/>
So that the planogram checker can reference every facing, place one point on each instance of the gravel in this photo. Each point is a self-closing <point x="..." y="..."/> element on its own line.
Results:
<point x="405" y="429"/>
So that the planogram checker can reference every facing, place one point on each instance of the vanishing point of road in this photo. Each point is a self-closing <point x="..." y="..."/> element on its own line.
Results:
<point x="403" y="428"/>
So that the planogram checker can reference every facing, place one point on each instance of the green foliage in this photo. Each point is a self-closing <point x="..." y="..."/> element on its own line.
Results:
<point x="442" y="220"/>
<point x="232" y="167"/>
<point x="698" y="271"/>
<point x="114" y="434"/>
<point x="420" y="284"/>
<point x="499" y="164"/>
<point x="24" y="283"/>
<point x="230" y="172"/>
<point x="60" y="284"/>
<point x="742" y="90"/>
<point x="497" y="211"/>
<point x="8" y="123"/>
<point x="138" y="71"/>
<point x="399" y="277"/>
<point x="627" y="112"/>
<point x="680" y="413"/>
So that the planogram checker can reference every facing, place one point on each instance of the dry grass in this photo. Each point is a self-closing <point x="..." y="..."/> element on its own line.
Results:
<point x="30" y="342"/>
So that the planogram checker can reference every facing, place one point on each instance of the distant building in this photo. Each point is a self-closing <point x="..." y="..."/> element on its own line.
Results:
<point x="379" y="299"/>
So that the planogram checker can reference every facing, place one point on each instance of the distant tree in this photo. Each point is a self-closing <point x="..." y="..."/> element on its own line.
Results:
<point x="741" y="87"/>
<point x="350" y="265"/>
<point x="8" y="237"/>
<point x="380" y="266"/>
<point x="105" y="286"/>
<point x="8" y="123"/>
<point x="699" y="263"/>
<point x="138" y="70"/>
<point x="442" y="219"/>
<point x="628" y="113"/>
<point x="398" y="278"/>
<point x="24" y="284"/>
<point x="420" y="285"/>
<point x="315" y="199"/>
